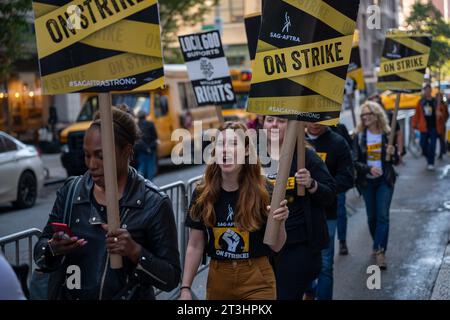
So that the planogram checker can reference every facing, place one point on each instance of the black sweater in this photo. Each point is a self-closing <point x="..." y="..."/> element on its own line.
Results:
<point x="338" y="159"/>
<point x="307" y="218"/>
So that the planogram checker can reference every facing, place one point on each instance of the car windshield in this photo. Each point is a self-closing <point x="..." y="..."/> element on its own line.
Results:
<point x="136" y="102"/>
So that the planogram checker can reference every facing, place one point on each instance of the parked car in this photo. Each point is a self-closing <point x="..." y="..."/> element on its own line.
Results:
<point x="21" y="172"/>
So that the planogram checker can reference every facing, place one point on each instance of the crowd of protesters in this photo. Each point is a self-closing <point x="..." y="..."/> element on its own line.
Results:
<point x="228" y="213"/>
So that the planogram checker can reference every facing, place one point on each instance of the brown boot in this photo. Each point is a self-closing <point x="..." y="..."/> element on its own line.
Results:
<point x="381" y="260"/>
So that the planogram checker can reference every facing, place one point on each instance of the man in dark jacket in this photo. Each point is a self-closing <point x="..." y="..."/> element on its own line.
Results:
<point x="335" y="152"/>
<point x="425" y="120"/>
<point x="146" y="147"/>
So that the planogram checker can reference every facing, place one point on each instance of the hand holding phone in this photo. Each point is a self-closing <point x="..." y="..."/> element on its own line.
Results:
<point x="63" y="240"/>
<point x="62" y="227"/>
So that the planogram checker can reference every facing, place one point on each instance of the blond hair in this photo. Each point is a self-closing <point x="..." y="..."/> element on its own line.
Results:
<point x="377" y="110"/>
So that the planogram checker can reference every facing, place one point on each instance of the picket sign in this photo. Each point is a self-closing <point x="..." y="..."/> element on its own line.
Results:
<point x="89" y="59"/>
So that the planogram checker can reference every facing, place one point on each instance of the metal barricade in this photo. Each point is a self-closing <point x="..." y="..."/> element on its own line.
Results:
<point x="177" y="194"/>
<point x="191" y="184"/>
<point x="15" y="240"/>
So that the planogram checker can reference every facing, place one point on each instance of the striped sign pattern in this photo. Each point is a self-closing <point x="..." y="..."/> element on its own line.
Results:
<point x="252" y="26"/>
<point x="302" y="59"/>
<point x="404" y="61"/>
<point x="355" y="69"/>
<point x="98" y="46"/>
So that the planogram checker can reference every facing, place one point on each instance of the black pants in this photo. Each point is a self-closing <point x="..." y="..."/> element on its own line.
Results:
<point x="296" y="266"/>
<point x="443" y="144"/>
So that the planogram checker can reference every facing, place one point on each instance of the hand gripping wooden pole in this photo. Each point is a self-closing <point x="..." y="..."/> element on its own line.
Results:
<point x="301" y="145"/>
<point x="279" y="192"/>
<point x="393" y="124"/>
<point x="109" y="166"/>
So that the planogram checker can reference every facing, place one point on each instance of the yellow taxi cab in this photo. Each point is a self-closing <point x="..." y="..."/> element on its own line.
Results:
<point x="407" y="100"/>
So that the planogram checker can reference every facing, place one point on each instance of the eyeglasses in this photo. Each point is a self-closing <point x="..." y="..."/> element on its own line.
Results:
<point x="363" y="115"/>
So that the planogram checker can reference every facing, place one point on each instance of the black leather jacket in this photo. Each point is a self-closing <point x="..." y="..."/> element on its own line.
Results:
<point x="146" y="213"/>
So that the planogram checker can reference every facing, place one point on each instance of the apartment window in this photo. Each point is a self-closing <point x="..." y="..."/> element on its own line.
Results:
<point x="236" y="8"/>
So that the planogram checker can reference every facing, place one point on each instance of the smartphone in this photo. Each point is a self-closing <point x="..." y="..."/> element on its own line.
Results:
<point x="58" y="227"/>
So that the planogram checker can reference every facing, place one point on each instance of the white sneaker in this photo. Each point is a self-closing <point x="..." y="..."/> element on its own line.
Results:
<point x="430" y="167"/>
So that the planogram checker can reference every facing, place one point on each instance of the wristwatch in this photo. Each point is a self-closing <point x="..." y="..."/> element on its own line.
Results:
<point x="313" y="185"/>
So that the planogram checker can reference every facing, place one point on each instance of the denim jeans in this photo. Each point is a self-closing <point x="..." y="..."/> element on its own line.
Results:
<point x="428" y="144"/>
<point x="341" y="217"/>
<point x="147" y="164"/>
<point x="378" y="196"/>
<point x="324" y="288"/>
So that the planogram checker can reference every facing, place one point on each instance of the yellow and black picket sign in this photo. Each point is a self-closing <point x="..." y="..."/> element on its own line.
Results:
<point x="404" y="61"/>
<point x="252" y="25"/>
<point x="299" y="72"/>
<point x="403" y="65"/>
<point x="355" y="69"/>
<point x="303" y="53"/>
<point x="98" y="46"/>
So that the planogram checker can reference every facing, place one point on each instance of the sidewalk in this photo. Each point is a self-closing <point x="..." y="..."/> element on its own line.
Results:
<point x="441" y="290"/>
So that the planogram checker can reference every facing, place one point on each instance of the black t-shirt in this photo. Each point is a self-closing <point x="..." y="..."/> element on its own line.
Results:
<point x="295" y="224"/>
<point x="429" y="111"/>
<point x="334" y="151"/>
<point x="224" y="240"/>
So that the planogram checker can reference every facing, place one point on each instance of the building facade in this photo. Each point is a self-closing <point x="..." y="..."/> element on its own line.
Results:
<point x="228" y="16"/>
<point x="375" y="17"/>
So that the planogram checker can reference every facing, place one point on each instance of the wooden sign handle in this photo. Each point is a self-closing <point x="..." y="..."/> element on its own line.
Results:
<point x="301" y="145"/>
<point x="279" y="192"/>
<point x="393" y="124"/>
<point x="352" y="109"/>
<point x="110" y="173"/>
<point x="220" y="115"/>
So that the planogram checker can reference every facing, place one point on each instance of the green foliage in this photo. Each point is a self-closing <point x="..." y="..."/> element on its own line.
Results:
<point x="14" y="33"/>
<point x="426" y="17"/>
<point x="177" y="13"/>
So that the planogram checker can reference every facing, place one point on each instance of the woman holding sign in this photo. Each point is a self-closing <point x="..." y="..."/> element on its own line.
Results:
<point x="375" y="176"/>
<point x="299" y="262"/>
<point x="75" y="243"/>
<point x="227" y="216"/>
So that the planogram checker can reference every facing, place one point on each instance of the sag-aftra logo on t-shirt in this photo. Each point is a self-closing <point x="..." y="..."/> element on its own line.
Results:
<point x="229" y="242"/>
